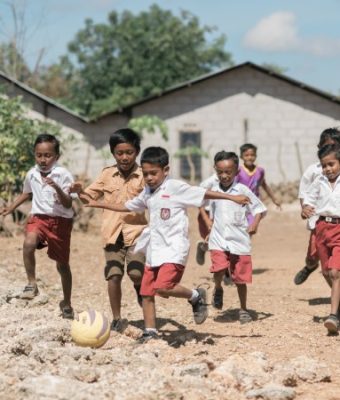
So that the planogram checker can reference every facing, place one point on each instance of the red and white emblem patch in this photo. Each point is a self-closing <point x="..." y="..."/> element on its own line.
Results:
<point x="165" y="213"/>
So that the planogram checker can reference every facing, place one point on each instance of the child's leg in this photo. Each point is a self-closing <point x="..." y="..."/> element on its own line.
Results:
<point x="242" y="295"/>
<point x="149" y="312"/>
<point x="114" y="290"/>
<point x="218" y="278"/>
<point x="335" y="293"/>
<point x="29" y="247"/>
<point x="66" y="282"/>
<point x="135" y="269"/>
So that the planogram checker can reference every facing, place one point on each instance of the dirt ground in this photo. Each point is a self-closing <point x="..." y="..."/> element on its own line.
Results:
<point x="288" y="319"/>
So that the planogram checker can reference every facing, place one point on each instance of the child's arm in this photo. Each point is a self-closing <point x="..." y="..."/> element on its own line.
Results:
<point x="239" y="198"/>
<point x="206" y="218"/>
<point x="96" y="204"/>
<point x="17" y="202"/>
<point x="270" y="193"/>
<point x="252" y="229"/>
<point x="64" y="198"/>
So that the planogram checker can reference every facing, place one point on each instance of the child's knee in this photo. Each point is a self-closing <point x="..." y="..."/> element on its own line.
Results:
<point x="30" y="244"/>
<point x="334" y="274"/>
<point x="116" y="278"/>
<point x="63" y="268"/>
<point x="135" y="275"/>
<point x="162" y="292"/>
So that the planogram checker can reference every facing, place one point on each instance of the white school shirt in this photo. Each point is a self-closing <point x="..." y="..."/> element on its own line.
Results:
<point x="208" y="184"/>
<point x="166" y="238"/>
<point x="45" y="199"/>
<point x="324" y="198"/>
<point x="229" y="230"/>
<point x="308" y="177"/>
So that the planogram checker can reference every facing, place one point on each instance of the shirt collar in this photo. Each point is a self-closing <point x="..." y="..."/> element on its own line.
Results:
<point x="162" y="186"/>
<point x="135" y="172"/>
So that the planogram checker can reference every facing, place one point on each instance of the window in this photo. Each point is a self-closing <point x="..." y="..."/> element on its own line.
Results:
<point x="190" y="162"/>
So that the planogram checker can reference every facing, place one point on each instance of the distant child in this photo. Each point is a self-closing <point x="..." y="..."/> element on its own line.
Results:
<point x="115" y="185"/>
<point x="166" y="241"/>
<point x="328" y="136"/>
<point x="323" y="196"/>
<point x="229" y="239"/>
<point x="252" y="175"/>
<point x="50" y="222"/>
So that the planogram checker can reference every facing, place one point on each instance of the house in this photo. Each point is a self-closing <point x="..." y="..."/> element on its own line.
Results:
<point x="220" y="110"/>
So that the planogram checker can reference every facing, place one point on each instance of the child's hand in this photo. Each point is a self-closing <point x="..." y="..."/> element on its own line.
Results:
<point x="51" y="183"/>
<point x="5" y="211"/>
<point x="278" y="204"/>
<point x="241" y="199"/>
<point x="88" y="202"/>
<point x="252" y="229"/>
<point x="76" y="187"/>
<point x="307" y="211"/>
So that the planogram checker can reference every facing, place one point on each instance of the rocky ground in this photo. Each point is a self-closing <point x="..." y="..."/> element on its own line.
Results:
<point x="285" y="353"/>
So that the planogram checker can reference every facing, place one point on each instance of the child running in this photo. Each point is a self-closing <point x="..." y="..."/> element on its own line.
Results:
<point x="328" y="136"/>
<point x="323" y="196"/>
<point x="117" y="184"/>
<point x="253" y="176"/>
<point x="229" y="239"/>
<point x="166" y="239"/>
<point x="50" y="222"/>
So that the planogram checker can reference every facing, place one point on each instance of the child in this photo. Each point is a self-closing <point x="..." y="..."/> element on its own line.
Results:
<point x="328" y="136"/>
<point x="253" y="176"/>
<point x="50" y="223"/>
<point x="229" y="239"/>
<point x="323" y="197"/>
<point x="204" y="226"/>
<point x="166" y="239"/>
<point x="117" y="184"/>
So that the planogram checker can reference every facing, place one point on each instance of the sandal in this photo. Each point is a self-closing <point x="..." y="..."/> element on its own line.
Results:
<point x="304" y="273"/>
<point x="29" y="292"/>
<point x="244" y="317"/>
<point x="66" y="311"/>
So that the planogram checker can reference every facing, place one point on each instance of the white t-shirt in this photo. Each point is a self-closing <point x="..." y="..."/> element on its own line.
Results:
<point x="166" y="238"/>
<point x="324" y="198"/>
<point x="45" y="199"/>
<point x="308" y="177"/>
<point x="229" y="230"/>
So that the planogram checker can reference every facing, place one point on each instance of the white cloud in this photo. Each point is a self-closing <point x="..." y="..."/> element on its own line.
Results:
<point x="279" y="32"/>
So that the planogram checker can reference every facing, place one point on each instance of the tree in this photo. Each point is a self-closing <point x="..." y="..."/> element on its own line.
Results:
<point x="134" y="56"/>
<point x="17" y="136"/>
<point x="189" y="152"/>
<point x="149" y="124"/>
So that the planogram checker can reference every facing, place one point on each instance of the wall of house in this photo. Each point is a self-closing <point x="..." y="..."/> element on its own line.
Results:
<point x="283" y="120"/>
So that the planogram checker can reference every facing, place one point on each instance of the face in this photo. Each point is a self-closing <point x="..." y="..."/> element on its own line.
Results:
<point x="226" y="171"/>
<point x="45" y="156"/>
<point x="154" y="174"/>
<point x="125" y="155"/>
<point x="249" y="157"/>
<point x="330" y="167"/>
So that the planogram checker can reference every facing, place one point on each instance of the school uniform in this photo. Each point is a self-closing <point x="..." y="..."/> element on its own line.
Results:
<point x="229" y="241"/>
<point x="48" y="217"/>
<point x="309" y="176"/>
<point x="206" y="184"/>
<point x="165" y="241"/>
<point x="326" y="201"/>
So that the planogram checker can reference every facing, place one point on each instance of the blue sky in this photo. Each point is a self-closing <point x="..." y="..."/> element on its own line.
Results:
<point x="301" y="35"/>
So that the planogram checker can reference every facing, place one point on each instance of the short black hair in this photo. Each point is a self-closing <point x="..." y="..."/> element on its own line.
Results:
<point x="155" y="155"/>
<point x="247" y="146"/>
<point x="124" y="135"/>
<point x="329" y="149"/>
<point x="226" y="155"/>
<point x="329" y="134"/>
<point x="47" y="138"/>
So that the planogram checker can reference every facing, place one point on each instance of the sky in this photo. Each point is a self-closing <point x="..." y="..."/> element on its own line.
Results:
<point x="302" y="36"/>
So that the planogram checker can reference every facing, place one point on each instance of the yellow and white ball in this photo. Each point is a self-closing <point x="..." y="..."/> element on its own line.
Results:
<point x="90" y="329"/>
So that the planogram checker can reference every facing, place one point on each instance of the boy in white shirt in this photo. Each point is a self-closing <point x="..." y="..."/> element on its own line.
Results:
<point x="328" y="136"/>
<point x="166" y="241"/>
<point x="51" y="219"/>
<point x="229" y="239"/>
<point x="323" y="199"/>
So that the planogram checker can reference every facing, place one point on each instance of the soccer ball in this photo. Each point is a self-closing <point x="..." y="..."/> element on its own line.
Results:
<point x="90" y="329"/>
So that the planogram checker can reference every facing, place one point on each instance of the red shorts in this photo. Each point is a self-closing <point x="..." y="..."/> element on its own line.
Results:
<point x="312" y="254"/>
<point x="166" y="276"/>
<point x="328" y="244"/>
<point x="240" y="267"/>
<point x="53" y="232"/>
